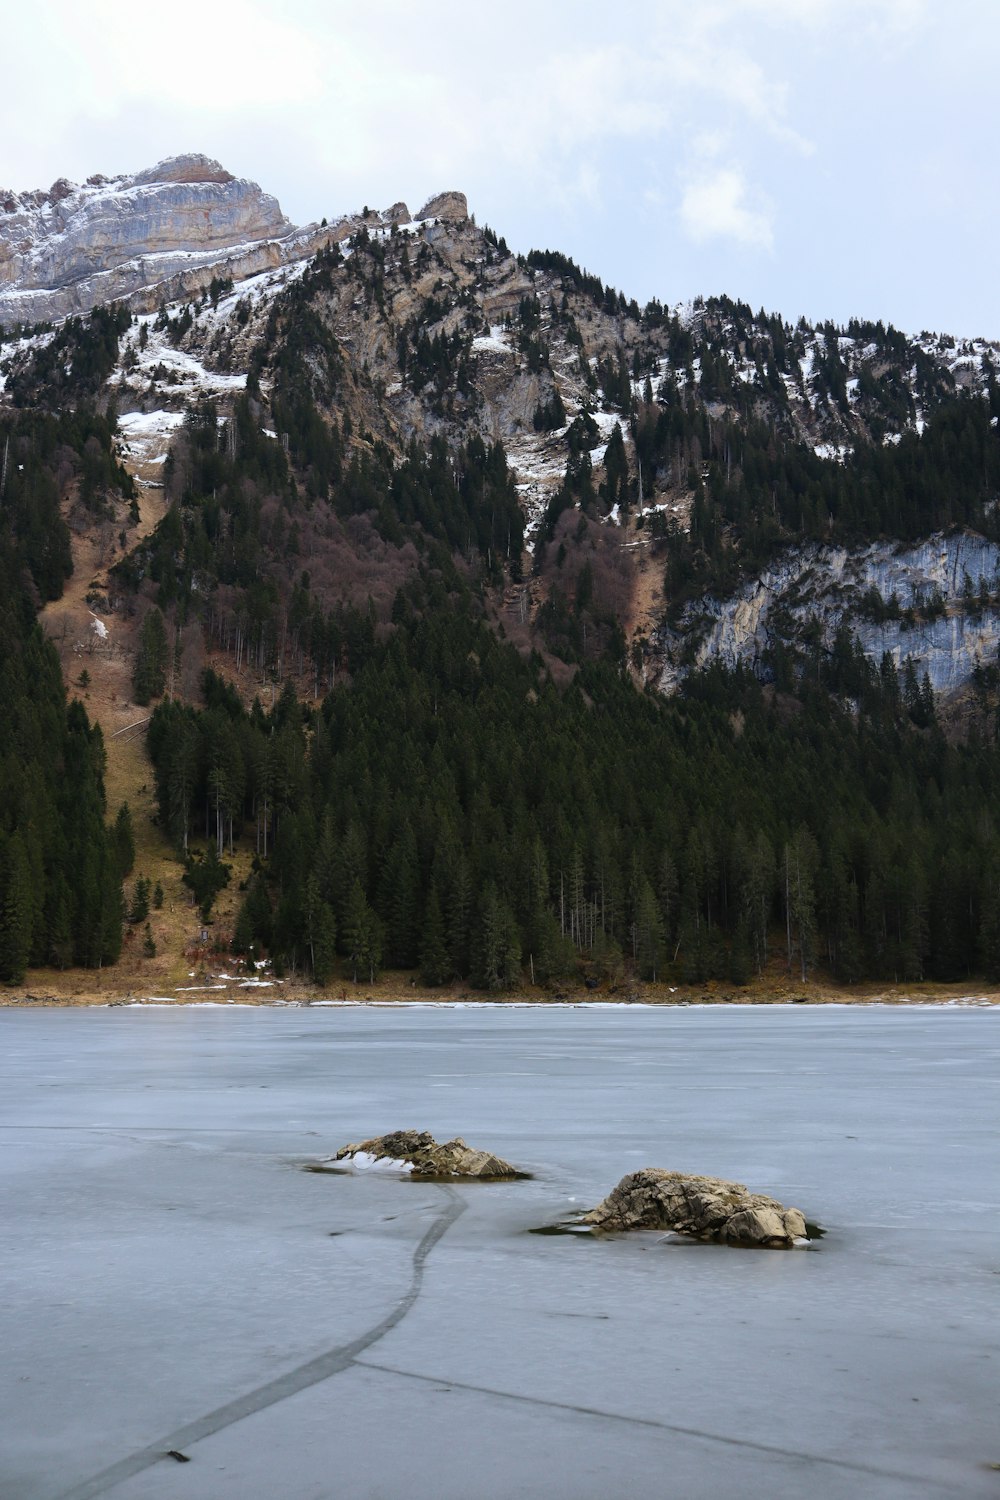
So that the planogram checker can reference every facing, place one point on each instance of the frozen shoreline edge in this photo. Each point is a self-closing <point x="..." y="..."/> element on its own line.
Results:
<point x="163" y="1002"/>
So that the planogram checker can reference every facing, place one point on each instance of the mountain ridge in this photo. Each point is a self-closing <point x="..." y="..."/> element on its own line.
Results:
<point x="160" y="233"/>
<point x="628" y="432"/>
<point x="374" y="550"/>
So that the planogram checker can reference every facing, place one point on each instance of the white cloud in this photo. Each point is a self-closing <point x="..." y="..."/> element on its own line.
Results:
<point x="236" y="54"/>
<point x="714" y="206"/>
<point x="814" y="14"/>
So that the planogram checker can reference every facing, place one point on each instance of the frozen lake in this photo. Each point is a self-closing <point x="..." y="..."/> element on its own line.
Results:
<point x="171" y="1278"/>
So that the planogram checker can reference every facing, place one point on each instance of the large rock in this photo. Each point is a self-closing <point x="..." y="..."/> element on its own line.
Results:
<point x="706" y="1207"/>
<point x="418" y="1152"/>
<point x="450" y="206"/>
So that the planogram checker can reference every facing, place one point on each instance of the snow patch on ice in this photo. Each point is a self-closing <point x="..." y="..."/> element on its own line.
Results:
<point x="366" y="1162"/>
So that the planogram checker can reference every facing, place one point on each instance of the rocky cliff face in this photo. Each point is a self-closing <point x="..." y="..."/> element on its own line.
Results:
<point x="161" y="232"/>
<point x="940" y="627"/>
<point x="66" y="250"/>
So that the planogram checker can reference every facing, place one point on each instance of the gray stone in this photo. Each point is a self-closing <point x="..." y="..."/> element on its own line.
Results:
<point x="159" y="235"/>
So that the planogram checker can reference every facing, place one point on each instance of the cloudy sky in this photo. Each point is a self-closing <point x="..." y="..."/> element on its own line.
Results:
<point x="825" y="157"/>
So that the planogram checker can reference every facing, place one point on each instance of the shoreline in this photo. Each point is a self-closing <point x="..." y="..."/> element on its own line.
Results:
<point x="222" y="997"/>
<point x="218" y="981"/>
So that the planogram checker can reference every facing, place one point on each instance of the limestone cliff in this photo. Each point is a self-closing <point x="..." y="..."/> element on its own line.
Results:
<point x="930" y="592"/>
<point x="158" y="234"/>
<point x="66" y="250"/>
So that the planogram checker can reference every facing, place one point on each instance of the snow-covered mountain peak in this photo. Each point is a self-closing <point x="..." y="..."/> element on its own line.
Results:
<point x="57" y="248"/>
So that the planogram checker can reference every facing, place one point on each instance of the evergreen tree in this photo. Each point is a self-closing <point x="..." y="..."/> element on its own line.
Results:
<point x="498" y="948"/>
<point x="149" y="675"/>
<point x="435" y="965"/>
<point x="15" y="909"/>
<point x="324" y="943"/>
<point x="361" y="935"/>
<point x="798" y="869"/>
<point x="123" y="841"/>
<point x="649" y="932"/>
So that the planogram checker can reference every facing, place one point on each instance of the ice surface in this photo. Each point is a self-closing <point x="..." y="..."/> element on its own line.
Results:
<point x="172" y="1279"/>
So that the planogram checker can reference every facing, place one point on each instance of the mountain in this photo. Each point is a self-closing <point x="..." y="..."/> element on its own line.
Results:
<point x="429" y="328"/>
<point x="139" y="237"/>
<point x="463" y="504"/>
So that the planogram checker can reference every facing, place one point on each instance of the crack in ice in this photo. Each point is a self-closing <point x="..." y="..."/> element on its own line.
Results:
<point x="699" y="1433"/>
<point x="333" y="1362"/>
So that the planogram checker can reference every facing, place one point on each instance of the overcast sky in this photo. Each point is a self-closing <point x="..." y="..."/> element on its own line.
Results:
<point x="825" y="157"/>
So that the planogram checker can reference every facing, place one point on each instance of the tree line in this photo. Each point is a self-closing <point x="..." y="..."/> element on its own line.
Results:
<point x="451" y="812"/>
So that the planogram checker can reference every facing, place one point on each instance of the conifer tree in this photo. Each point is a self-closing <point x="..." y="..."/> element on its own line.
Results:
<point x="435" y="965"/>
<point x="798" y="870"/>
<point x="498" y="947"/>
<point x="324" y="943"/>
<point x="149" y="675"/>
<point x="361" y="935"/>
<point x="649" y="932"/>
<point x="15" y="909"/>
<point x="123" y="841"/>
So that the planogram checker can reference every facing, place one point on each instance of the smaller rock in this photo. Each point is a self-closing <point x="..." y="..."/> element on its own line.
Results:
<point x="708" y="1208"/>
<point x="419" y="1153"/>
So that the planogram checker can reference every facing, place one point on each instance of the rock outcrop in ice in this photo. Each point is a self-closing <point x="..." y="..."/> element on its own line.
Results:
<point x="418" y="1152"/>
<point x="706" y="1207"/>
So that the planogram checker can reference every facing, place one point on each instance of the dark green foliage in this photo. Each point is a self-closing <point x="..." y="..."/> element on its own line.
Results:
<point x="73" y="365"/>
<point x="222" y="550"/>
<point x="550" y="415"/>
<point x="322" y="941"/>
<point x="205" y="875"/>
<point x="435" y="964"/>
<point x="757" y="491"/>
<point x="39" y="456"/>
<point x="123" y="842"/>
<point x="459" y="816"/>
<point x="149" y="675"/>
<point x="361" y="936"/>
<point x="497" y="961"/>
<point x="16" y="908"/>
<point x="60" y="866"/>
<point x="591" y="286"/>
<point x="139" y="906"/>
